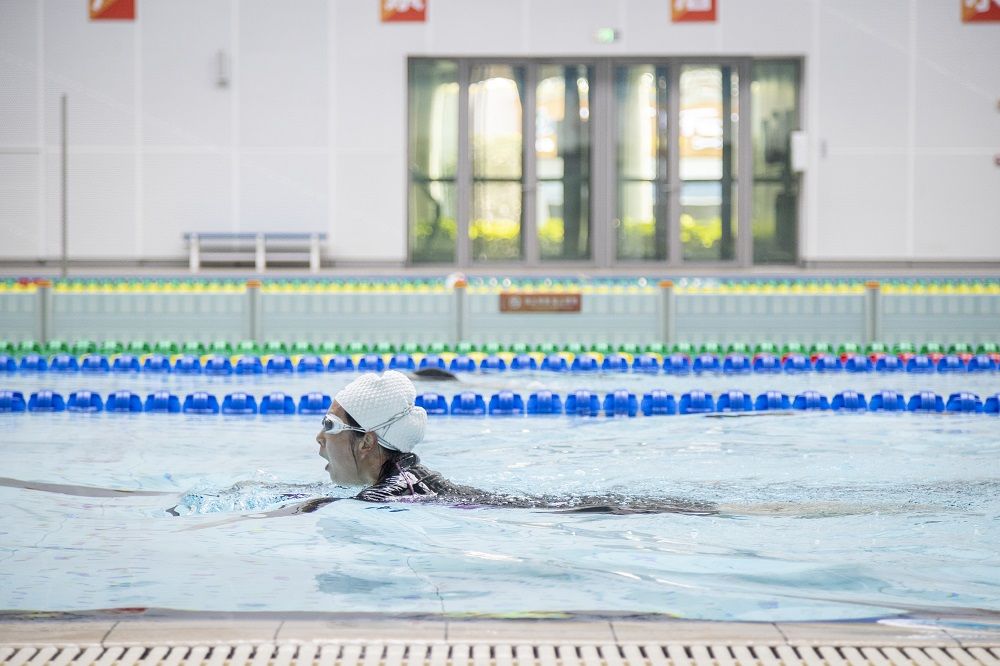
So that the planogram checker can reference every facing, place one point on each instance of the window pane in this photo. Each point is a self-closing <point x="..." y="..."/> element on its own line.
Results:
<point x="495" y="117"/>
<point x="433" y="151"/>
<point x="641" y="104"/>
<point x="496" y="221"/>
<point x="562" y="153"/>
<point x="709" y="124"/>
<point x="774" y="89"/>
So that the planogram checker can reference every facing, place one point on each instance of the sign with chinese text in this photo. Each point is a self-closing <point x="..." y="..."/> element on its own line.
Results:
<point x="689" y="11"/>
<point x="103" y="10"/>
<point x="398" y="11"/>
<point x="976" y="11"/>
<point x="540" y="302"/>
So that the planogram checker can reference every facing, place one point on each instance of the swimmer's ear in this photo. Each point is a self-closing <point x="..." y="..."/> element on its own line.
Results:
<point x="368" y="441"/>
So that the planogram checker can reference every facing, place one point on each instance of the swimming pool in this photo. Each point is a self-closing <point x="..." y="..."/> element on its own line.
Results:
<point x="823" y="515"/>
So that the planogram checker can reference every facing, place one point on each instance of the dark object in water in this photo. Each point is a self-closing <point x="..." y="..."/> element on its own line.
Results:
<point x="434" y="374"/>
<point x="78" y="491"/>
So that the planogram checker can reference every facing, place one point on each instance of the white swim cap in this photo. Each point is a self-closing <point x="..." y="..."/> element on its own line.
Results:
<point x="384" y="405"/>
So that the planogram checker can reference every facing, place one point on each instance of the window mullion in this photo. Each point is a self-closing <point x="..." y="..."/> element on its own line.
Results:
<point x="529" y="173"/>
<point x="463" y="184"/>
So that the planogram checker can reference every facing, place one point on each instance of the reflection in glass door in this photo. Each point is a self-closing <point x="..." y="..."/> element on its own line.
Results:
<point x="708" y="124"/>
<point x="643" y="150"/>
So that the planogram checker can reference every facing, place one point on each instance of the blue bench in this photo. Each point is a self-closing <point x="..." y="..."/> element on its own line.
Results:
<point x="231" y="246"/>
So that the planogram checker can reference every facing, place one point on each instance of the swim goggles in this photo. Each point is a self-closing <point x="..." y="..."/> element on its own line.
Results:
<point x="333" y="425"/>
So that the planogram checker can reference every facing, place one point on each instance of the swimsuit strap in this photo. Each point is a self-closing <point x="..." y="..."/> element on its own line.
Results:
<point x="403" y="474"/>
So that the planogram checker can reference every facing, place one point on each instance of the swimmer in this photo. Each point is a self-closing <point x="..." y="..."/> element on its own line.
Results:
<point x="368" y="438"/>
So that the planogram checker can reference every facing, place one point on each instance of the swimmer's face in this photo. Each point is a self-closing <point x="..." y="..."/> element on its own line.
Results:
<point x="342" y="452"/>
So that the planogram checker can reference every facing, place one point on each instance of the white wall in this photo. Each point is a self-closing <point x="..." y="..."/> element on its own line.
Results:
<point x="901" y="107"/>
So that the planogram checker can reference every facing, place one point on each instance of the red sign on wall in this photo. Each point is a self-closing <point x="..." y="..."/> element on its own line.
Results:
<point x="540" y="302"/>
<point x="685" y="11"/>
<point x="397" y="11"/>
<point x="116" y="10"/>
<point x="975" y="11"/>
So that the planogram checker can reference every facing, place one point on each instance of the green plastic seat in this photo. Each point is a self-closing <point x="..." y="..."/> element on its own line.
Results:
<point x="656" y="348"/>
<point x="573" y="348"/>
<point x="301" y="347"/>
<point x="275" y="347"/>
<point x="793" y="347"/>
<point x="165" y="347"/>
<point x="904" y="347"/>
<point x="932" y="348"/>
<point x="519" y="348"/>
<point x="738" y="348"/>
<point x="329" y="347"/>
<point x="877" y="348"/>
<point x="710" y="348"/>
<point x="84" y="346"/>
<point x="822" y="348"/>
<point x="960" y="348"/>
<point x="628" y="348"/>
<point x="600" y="348"/>
<point x="193" y="347"/>
<point x="437" y="348"/>
<point x="465" y="347"/>
<point x="765" y="348"/>
<point x="411" y="348"/>
<point x="849" y="348"/>
<point x="987" y="348"/>
<point x="137" y="347"/>
<point x="683" y="348"/>
<point x="221" y="347"/>
<point x="109" y="347"/>
<point x="491" y="348"/>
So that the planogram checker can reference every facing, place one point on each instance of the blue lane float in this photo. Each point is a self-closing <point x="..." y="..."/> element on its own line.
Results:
<point x="506" y="403"/>
<point x="811" y="400"/>
<point x="492" y="364"/>
<point x="925" y="401"/>
<point x="84" y="401"/>
<point x="123" y="402"/>
<point x="46" y="401"/>
<point x="218" y="366"/>
<point x="309" y="363"/>
<point x="277" y="403"/>
<point x="696" y="402"/>
<point x="156" y="363"/>
<point x="850" y="401"/>
<point x="95" y="364"/>
<point x="964" y="402"/>
<point x="646" y="363"/>
<point x="200" y="402"/>
<point x="887" y="401"/>
<point x="340" y="363"/>
<point x="434" y="403"/>
<point x="768" y="363"/>
<point x="545" y="402"/>
<point x="126" y="363"/>
<point x="734" y="401"/>
<point x="33" y="363"/>
<point x="519" y="362"/>
<point x="315" y="403"/>
<point x="772" y="400"/>
<point x="188" y="365"/>
<point x="584" y="363"/>
<point x="677" y="364"/>
<point x="658" y="403"/>
<point x="432" y="361"/>
<point x="162" y="402"/>
<point x="402" y="362"/>
<point x="468" y="403"/>
<point x="736" y="364"/>
<point x="797" y="363"/>
<point x="582" y="403"/>
<point x="621" y="403"/>
<point x="239" y="403"/>
<point x="555" y="363"/>
<point x="12" y="402"/>
<point x="64" y="363"/>
<point x="279" y="365"/>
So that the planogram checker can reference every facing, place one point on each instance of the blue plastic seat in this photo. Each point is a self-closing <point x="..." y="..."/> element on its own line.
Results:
<point x="925" y="401"/>
<point x="582" y="402"/>
<point x="239" y="403"/>
<point x="468" y="403"/>
<point x="982" y="363"/>
<point x="810" y="400"/>
<point x="277" y="403"/>
<point x="33" y="363"/>
<point x="200" y="402"/>
<point x="646" y="363"/>
<point x="772" y="400"/>
<point x="434" y="403"/>
<point x="889" y="363"/>
<point x="795" y="363"/>
<point x="555" y="363"/>
<point x="492" y="364"/>
<point x="734" y="401"/>
<point x="950" y="363"/>
<point x="658" y="403"/>
<point x="849" y="401"/>
<point x="736" y="364"/>
<point x="163" y="402"/>
<point x="827" y="363"/>
<point x="768" y="363"/>
<point x="858" y="363"/>
<point x="12" y="401"/>
<point x="188" y="365"/>
<point x="156" y="363"/>
<point x="125" y="363"/>
<point x="218" y="366"/>
<point x="545" y="402"/>
<point x="315" y="403"/>
<point x="123" y="401"/>
<point x="920" y="364"/>
<point x="46" y="401"/>
<point x="522" y="362"/>
<point x="506" y="403"/>
<point x="402" y="362"/>
<point x="614" y="363"/>
<point x="621" y="402"/>
<point x="705" y="363"/>
<point x="64" y="363"/>
<point x="95" y="364"/>
<point x="309" y="363"/>
<point x="371" y="363"/>
<point x="964" y="402"/>
<point x="431" y="361"/>
<point x="696" y="402"/>
<point x="279" y="365"/>
<point x="340" y="363"/>
<point x="585" y="363"/>
<point x="7" y="363"/>
<point x="887" y="401"/>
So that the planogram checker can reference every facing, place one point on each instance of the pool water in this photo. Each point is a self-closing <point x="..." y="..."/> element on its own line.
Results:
<point x="821" y="515"/>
